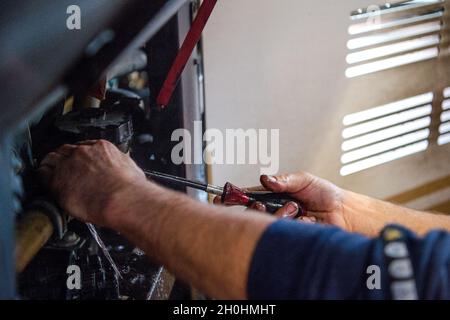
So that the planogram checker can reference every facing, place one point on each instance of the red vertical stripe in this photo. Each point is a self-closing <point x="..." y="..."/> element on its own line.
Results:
<point x="191" y="40"/>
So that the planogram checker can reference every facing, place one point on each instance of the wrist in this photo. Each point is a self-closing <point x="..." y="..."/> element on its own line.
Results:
<point x="349" y="212"/>
<point x="122" y="204"/>
<point x="362" y="214"/>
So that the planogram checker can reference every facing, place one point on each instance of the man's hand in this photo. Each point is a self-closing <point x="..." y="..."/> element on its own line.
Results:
<point x="322" y="200"/>
<point x="326" y="203"/>
<point x="85" y="178"/>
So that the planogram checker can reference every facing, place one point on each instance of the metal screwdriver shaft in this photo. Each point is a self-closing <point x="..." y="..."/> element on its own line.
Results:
<point x="230" y="194"/>
<point x="182" y="182"/>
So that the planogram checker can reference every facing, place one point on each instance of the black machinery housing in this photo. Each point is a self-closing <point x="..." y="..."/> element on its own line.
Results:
<point x="42" y="64"/>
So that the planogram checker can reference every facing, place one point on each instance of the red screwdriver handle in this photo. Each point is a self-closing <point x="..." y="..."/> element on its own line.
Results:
<point x="233" y="195"/>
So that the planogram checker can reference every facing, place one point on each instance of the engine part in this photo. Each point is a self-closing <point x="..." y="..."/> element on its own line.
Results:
<point x="110" y="124"/>
<point x="33" y="231"/>
<point x="93" y="98"/>
<point x="35" y="228"/>
<point x="134" y="60"/>
<point x="44" y="280"/>
<point x="77" y="69"/>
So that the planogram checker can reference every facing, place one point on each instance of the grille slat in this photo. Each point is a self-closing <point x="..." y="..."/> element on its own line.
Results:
<point x="380" y="40"/>
<point x="385" y="133"/>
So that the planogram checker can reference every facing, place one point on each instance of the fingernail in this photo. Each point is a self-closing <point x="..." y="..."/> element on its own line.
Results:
<point x="259" y="206"/>
<point x="291" y="209"/>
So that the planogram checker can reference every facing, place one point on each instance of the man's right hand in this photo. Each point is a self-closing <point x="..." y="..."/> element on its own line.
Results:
<point x="326" y="203"/>
<point x="322" y="201"/>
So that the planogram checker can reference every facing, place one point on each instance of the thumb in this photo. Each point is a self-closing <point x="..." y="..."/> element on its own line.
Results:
<point x="289" y="211"/>
<point x="289" y="183"/>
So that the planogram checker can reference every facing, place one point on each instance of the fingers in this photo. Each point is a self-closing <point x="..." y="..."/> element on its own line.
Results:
<point x="307" y="219"/>
<point x="217" y="200"/>
<point x="101" y="142"/>
<point x="258" y="206"/>
<point x="87" y="142"/>
<point x="290" y="210"/>
<point x="66" y="150"/>
<point x="52" y="159"/>
<point x="290" y="183"/>
<point x="317" y="215"/>
<point x="257" y="188"/>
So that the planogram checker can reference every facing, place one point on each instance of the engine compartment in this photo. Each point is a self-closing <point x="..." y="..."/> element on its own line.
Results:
<point x="49" y="245"/>
<point x="120" y="119"/>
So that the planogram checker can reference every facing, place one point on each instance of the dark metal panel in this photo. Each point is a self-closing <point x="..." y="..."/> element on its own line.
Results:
<point x="37" y="47"/>
<point x="7" y="273"/>
<point x="159" y="20"/>
<point x="41" y="60"/>
<point x="39" y="52"/>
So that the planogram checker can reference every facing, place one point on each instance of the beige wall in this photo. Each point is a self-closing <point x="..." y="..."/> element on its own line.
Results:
<point x="281" y="64"/>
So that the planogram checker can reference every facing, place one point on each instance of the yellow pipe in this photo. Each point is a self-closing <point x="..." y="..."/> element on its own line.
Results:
<point x="32" y="233"/>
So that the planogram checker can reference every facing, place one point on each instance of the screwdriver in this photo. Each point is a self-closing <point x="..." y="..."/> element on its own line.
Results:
<point x="230" y="194"/>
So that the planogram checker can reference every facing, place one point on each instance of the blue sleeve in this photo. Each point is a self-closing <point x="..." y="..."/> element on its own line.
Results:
<point x="303" y="261"/>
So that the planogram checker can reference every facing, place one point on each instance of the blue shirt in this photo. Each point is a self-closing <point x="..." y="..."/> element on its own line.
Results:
<point x="303" y="261"/>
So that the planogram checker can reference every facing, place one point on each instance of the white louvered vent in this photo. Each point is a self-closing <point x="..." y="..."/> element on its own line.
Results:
<point x="444" y="128"/>
<point x="392" y="35"/>
<point x="385" y="133"/>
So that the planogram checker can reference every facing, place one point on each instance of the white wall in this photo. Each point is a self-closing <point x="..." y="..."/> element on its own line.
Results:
<point x="280" y="64"/>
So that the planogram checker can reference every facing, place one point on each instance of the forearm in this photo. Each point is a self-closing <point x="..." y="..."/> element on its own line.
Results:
<point x="369" y="216"/>
<point x="207" y="246"/>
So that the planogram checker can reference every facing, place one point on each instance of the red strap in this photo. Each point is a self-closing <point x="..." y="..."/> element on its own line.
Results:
<point x="192" y="38"/>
